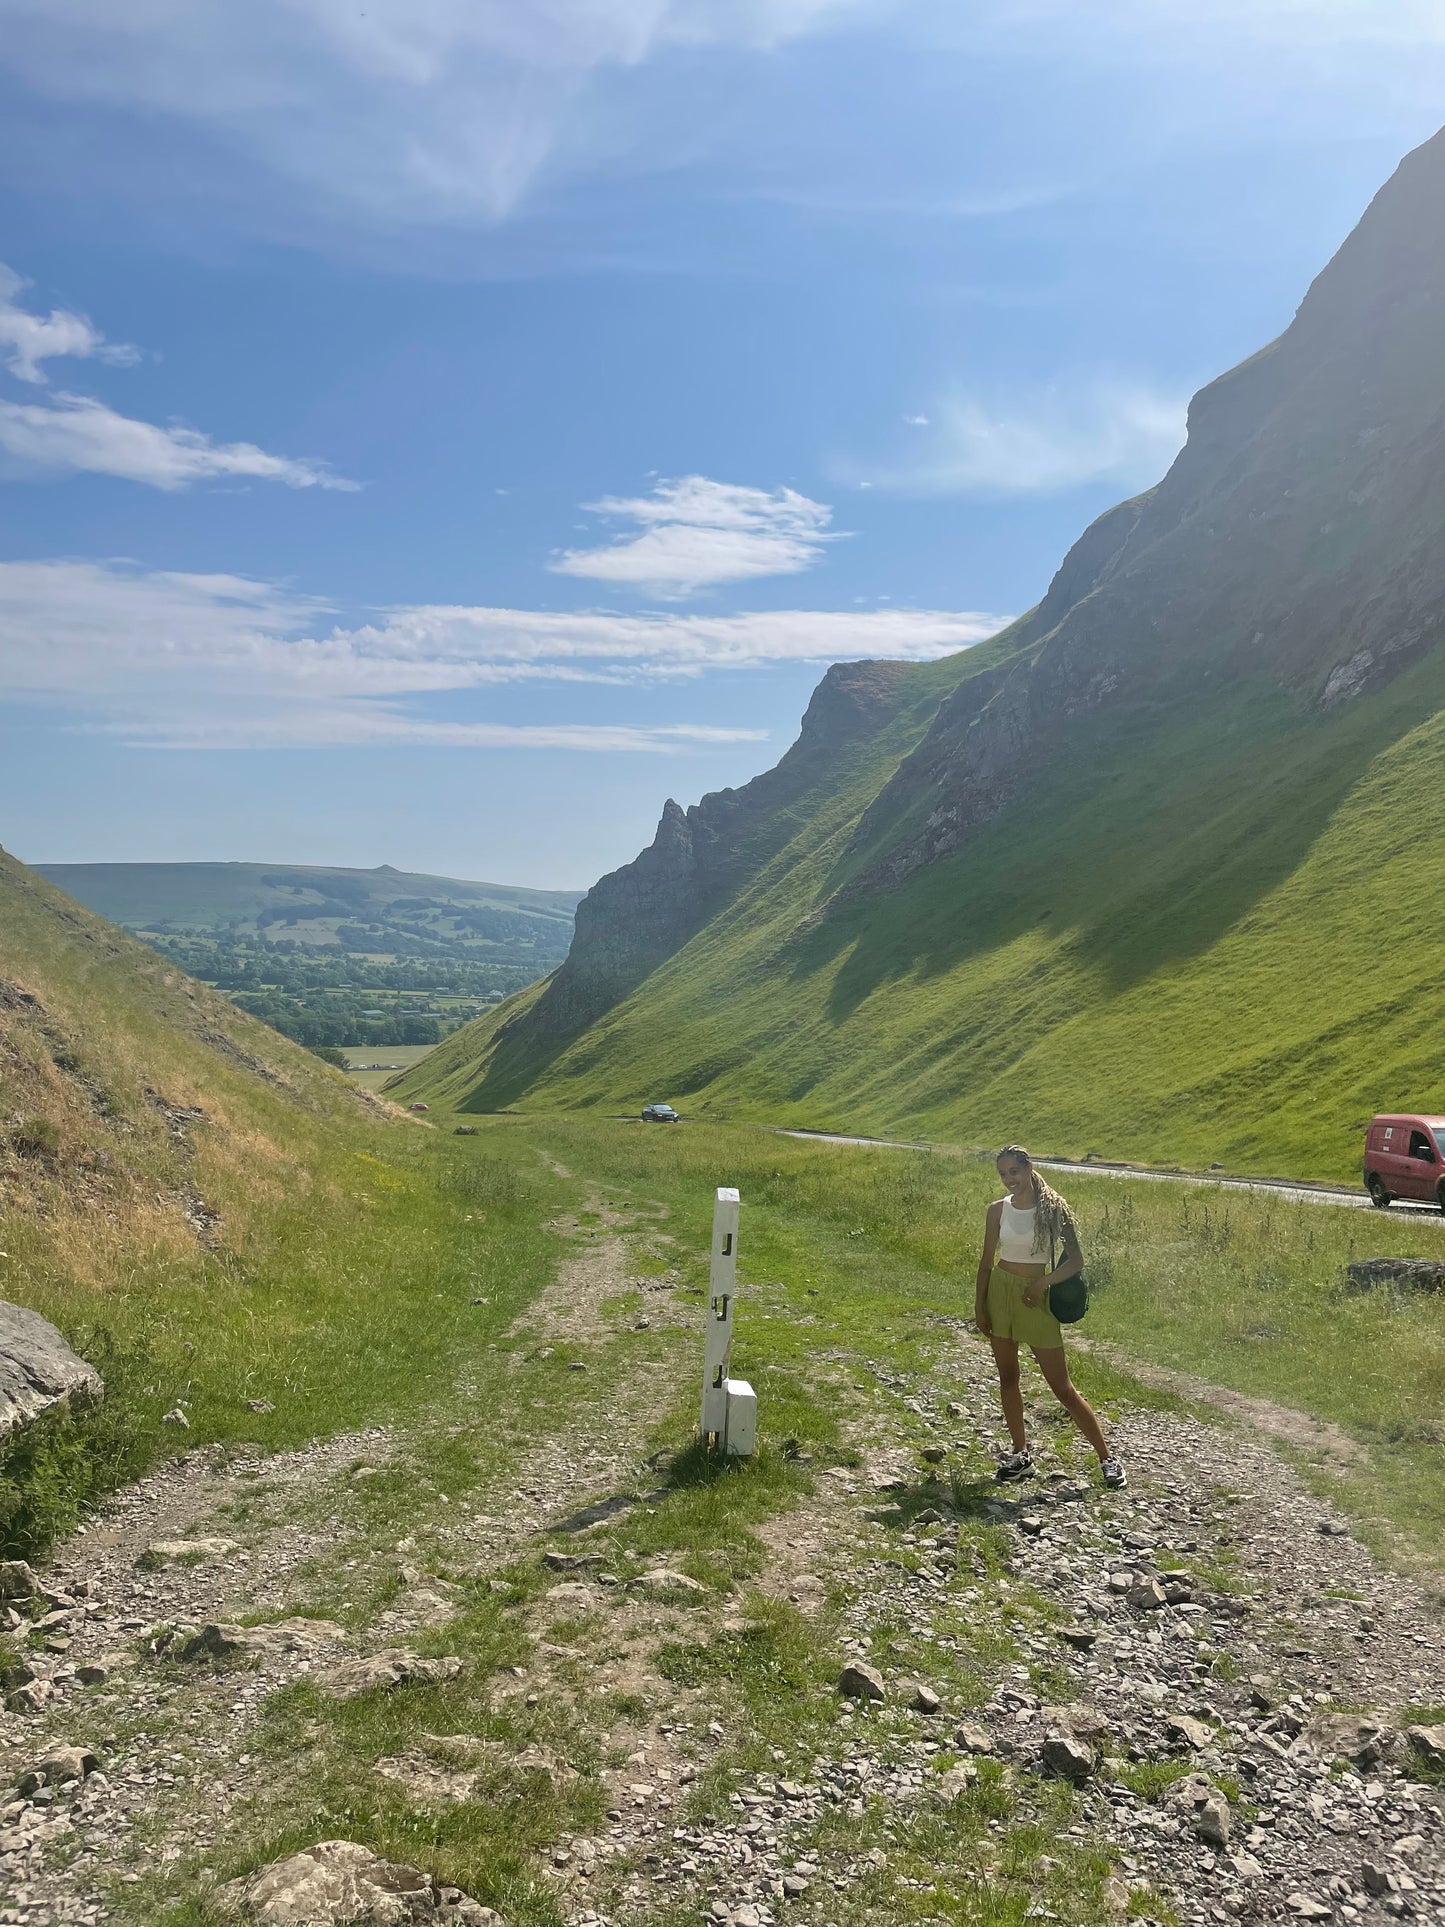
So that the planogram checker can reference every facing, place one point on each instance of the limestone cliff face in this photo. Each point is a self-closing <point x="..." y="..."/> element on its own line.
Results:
<point x="636" y="917"/>
<point x="1298" y="535"/>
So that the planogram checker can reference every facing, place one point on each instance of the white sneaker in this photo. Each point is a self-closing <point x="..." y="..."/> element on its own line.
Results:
<point x="1018" y="1465"/>
<point x="1114" y="1473"/>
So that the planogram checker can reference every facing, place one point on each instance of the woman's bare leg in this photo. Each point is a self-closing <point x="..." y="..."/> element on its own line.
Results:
<point x="1006" y="1358"/>
<point x="1055" y="1368"/>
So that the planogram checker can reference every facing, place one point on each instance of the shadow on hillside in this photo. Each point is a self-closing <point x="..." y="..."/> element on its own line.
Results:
<point x="1140" y="849"/>
<point x="521" y="1055"/>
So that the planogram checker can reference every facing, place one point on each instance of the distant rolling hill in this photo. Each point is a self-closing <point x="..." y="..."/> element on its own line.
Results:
<point x="1157" y="872"/>
<point x="382" y="910"/>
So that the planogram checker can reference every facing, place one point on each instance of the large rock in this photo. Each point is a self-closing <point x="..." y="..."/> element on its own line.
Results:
<point x="1205" y="1808"/>
<point x="1146" y="1595"/>
<point x="1083" y="1722"/>
<point x="572" y="1592"/>
<point x="339" y="1883"/>
<point x="957" y="1780"/>
<point x="1066" y="1758"/>
<point x="1428" y="1742"/>
<point x="1185" y="1731"/>
<point x="38" y="1370"/>
<point x="663" y="1583"/>
<point x="177" y="1552"/>
<point x="59" y="1767"/>
<point x="1414" y="1274"/>
<point x="427" y="1782"/>
<point x="221" y="1641"/>
<point x="17" y="1581"/>
<point x="860" y="1682"/>
<point x="31" y="1697"/>
<point x="386" y="1670"/>
<point x="1351" y="1736"/>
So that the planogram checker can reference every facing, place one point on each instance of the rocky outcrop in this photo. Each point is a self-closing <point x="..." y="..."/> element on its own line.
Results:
<point x="1296" y="536"/>
<point x="38" y="1370"/>
<point x="1409" y="1274"/>
<point x="1287" y="569"/>
<point x="339" y="1883"/>
<point x="638" y="916"/>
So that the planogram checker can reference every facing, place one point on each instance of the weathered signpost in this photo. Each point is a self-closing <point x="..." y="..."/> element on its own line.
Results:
<point x="729" y="1405"/>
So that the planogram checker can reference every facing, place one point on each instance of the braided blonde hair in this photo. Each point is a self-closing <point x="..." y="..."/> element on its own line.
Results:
<point x="1053" y="1220"/>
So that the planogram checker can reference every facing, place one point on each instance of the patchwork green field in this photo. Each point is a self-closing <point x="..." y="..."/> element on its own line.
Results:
<point x="318" y="906"/>
<point x="334" y="957"/>
<point x="390" y="1060"/>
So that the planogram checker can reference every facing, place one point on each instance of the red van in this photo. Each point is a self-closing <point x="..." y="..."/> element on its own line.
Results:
<point x="1405" y="1158"/>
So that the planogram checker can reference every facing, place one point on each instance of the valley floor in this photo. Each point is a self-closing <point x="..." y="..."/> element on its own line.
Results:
<point x="1190" y="1701"/>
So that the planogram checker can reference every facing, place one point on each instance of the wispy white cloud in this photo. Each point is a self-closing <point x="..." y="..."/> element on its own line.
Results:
<point x="353" y="726"/>
<point x="77" y="434"/>
<point x="400" y="110"/>
<point x="178" y="660"/>
<point x="1060" y="437"/>
<point x="697" y="533"/>
<point x="449" y="110"/>
<point x="27" y="339"/>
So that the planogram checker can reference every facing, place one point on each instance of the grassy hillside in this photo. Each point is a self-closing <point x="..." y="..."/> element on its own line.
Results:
<point x="211" y="1215"/>
<point x="1156" y="877"/>
<point x="133" y="1096"/>
<point x="505" y="1053"/>
<point x="1210" y="936"/>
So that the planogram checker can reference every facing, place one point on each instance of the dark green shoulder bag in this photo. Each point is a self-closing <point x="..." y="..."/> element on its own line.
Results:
<point x="1069" y="1298"/>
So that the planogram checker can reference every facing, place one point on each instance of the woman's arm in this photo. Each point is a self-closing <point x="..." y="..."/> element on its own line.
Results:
<point x="985" y="1267"/>
<point x="1069" y="1266"/>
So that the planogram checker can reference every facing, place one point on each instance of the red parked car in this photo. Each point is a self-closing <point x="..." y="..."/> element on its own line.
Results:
<point x="1405" y="1158"/>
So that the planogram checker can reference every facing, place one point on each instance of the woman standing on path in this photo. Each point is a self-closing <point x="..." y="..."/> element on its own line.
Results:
<point x="1022" y="1233"/>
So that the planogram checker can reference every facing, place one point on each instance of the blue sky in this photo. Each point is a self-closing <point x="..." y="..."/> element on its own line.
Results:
<point x="435" y="431"/>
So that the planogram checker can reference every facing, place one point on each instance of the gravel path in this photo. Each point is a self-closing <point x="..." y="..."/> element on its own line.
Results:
<point x="1213" y="1620"/>
<point x="1218" y="1666"/>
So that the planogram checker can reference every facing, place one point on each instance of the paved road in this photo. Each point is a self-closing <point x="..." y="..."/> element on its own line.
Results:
<point x="1294" y="1193"/>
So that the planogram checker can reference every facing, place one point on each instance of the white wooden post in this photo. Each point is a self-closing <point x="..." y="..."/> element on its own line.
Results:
<point x="729" y="1406"/>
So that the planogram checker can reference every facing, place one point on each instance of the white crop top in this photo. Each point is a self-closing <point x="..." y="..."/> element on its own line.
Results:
<point x="1016" y="1235"/>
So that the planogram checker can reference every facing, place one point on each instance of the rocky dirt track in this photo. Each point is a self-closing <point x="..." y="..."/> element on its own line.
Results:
<point x="1245" y="1705"/>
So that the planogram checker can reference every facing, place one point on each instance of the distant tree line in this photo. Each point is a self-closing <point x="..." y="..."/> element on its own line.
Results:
<point x="329" y="1000"/>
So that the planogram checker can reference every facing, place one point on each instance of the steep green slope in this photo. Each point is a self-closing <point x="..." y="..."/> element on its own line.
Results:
<point x="1158" y="876"/>
<point x="862" y="719"/>
<point x="1231" y="952"/>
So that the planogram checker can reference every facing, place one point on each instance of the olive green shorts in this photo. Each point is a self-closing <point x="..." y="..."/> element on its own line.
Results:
<point x="1010" y="1317"/>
